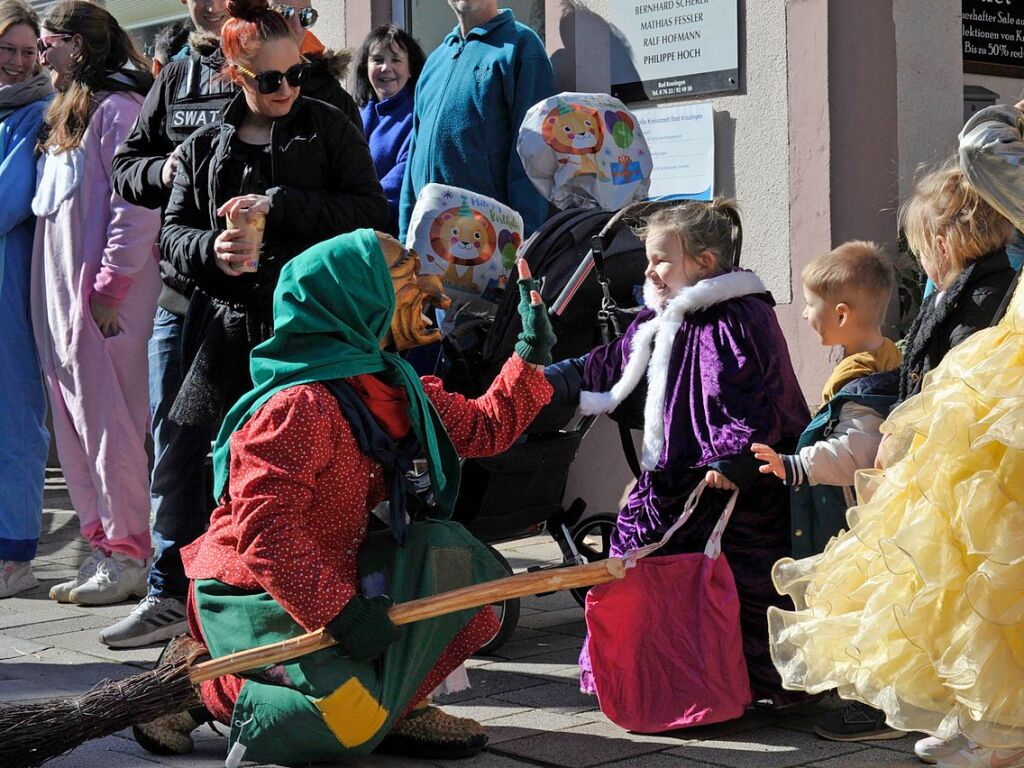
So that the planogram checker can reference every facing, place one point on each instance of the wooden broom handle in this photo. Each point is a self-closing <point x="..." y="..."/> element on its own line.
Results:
<point x="520" y="585"/>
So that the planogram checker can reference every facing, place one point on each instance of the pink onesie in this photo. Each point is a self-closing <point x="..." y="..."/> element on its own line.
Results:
<point x="89" y="240"/>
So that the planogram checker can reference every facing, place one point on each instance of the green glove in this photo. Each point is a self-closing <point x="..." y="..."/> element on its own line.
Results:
<point x="363" y="629"/>
<point x="537" y="338"/>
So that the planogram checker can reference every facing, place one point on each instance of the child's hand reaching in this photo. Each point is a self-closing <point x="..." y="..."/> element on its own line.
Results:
<point x="716" y="479"/>
<point x="773" y="462"/>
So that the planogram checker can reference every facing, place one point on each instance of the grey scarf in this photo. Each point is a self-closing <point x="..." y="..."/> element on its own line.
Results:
<point x="27" y="91"/>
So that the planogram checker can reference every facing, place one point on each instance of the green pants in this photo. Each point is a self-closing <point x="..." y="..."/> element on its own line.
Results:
<point x="325" y="706"/>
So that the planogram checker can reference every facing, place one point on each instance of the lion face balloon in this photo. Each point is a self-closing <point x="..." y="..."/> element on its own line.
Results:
<point x="574" y="130"/>
<point x="463" y="236"/>
<point x="410" y="327"/>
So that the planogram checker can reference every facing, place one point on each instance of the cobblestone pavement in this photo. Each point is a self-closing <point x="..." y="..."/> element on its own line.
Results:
<point x="526" y="693"/>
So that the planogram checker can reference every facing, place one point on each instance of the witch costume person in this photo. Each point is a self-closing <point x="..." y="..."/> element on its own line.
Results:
<point x="324" y="437"/>
<point x="719" y="378"/>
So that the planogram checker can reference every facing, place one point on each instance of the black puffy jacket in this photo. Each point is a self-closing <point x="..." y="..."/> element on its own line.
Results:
<point x="969" y="305"/>
<point x="322" y="184"/>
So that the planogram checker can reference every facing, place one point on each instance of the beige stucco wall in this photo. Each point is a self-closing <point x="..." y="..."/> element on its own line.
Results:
<point x="930" y="82"/>
<point x="331" y="26"/>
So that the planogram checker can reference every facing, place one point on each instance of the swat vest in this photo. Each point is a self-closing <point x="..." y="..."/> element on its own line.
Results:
<point x="198" y="100"/>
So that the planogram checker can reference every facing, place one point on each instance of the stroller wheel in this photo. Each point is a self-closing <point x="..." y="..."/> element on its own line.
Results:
<point x="593" y="540"/>
<point x="507" y="612"/>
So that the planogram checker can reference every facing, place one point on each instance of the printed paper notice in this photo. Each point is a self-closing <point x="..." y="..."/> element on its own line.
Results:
<point x="682" y="144"/>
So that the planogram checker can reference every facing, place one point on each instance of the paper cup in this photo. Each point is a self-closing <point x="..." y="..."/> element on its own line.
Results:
<point x="252" y="229"/>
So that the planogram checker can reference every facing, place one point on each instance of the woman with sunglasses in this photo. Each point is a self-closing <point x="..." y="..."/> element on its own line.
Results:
<point x="24" y="93"/>
<point x="277" y="155"/>
<point x="94" y="290"/>
<point x="387" y="68"/>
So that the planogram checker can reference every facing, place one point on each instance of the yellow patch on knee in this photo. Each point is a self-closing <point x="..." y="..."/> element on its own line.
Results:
<point x="352" y="713"/>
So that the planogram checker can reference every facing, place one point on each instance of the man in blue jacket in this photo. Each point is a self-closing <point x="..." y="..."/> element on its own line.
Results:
<point x="471" y="98"/>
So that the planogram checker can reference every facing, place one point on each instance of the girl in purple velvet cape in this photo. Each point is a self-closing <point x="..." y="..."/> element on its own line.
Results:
<point x="719" y="379"/>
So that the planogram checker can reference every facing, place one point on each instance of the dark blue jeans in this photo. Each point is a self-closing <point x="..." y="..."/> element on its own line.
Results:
<point x="180" y="487"/>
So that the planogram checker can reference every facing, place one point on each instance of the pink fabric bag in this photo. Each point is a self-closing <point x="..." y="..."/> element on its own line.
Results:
<point x="665" y="643"/>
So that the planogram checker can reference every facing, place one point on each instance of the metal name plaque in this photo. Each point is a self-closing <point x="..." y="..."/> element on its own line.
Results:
<point x="674" y="48"/>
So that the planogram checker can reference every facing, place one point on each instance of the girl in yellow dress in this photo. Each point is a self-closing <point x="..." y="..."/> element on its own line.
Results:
<point x="918" y="610"/>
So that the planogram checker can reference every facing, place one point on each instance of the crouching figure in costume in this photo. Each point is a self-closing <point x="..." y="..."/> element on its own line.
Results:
<point x="327" y="433"/>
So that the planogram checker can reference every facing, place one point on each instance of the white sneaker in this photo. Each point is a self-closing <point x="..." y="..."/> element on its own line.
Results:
<point x="62" y="592"/>
<point x="154" y="620"/>
<point x="16" y="576"/>
<point x="117" y="578"/>
<point x="932" y="749"/>
<point x="982" y="757"/>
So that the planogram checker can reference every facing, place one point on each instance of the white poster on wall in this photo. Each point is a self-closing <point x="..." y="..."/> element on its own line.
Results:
<point x="672" y="48"/>
<point x="681" y="140"/>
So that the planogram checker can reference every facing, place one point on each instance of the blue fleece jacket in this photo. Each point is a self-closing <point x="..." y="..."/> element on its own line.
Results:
<point x="388" y="128"/>
<point x="470" y="101"/>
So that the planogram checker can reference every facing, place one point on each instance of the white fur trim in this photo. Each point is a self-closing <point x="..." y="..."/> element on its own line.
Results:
<point x="660" y="332"/>
<point x="711" y="291"/>
<point x="657" y="382"/>
<point x="651" y="299"/>
<point x="636" y="366"/>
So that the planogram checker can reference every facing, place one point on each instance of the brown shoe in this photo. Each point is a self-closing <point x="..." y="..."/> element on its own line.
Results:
<point x="431" y="733"/>
<point x="171" y="734"/>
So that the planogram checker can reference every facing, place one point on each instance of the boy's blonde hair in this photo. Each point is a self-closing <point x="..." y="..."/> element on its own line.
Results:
<point x="701" y="226"/>
<point x="945" y="204"/>
<point x="857" y="273"/>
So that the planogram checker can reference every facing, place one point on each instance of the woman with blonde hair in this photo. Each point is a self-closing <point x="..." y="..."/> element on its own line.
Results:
<point x="24" y="94"/>
<point x="94" y="290"/>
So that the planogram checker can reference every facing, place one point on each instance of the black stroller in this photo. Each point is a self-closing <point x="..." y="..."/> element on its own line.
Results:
<point x="591" y="265"/>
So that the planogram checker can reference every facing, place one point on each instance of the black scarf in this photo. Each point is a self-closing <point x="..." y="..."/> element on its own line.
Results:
<point x="395" y="456"/>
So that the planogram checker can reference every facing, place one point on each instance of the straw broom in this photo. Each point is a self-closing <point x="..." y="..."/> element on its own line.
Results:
<point x="33" y="733"/>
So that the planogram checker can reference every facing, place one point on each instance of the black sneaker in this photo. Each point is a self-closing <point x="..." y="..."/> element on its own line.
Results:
<point x="855" y="722"/>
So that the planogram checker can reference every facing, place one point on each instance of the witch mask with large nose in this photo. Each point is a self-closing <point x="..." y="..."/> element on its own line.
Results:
<point x="410" y="326"/>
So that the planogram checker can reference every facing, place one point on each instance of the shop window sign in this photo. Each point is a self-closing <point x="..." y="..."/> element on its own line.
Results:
<point x="993" y="37"/>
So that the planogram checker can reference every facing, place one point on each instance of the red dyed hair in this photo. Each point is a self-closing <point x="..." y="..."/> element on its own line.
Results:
<point x="252" y="23"/>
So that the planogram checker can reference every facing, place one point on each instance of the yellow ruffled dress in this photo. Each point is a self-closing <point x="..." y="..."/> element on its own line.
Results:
<point x="918" y="609"/>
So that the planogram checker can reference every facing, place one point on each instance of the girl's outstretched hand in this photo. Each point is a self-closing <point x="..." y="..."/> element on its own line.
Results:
<point x="773" y="462"/>
<point x="537" y="338"/>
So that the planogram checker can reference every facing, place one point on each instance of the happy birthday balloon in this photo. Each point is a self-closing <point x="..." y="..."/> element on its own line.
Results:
<point x="469" y="240"/>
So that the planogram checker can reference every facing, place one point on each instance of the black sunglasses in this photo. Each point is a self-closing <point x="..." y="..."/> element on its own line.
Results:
<point x="307" y="16"/>
<point x="270" y="81"/>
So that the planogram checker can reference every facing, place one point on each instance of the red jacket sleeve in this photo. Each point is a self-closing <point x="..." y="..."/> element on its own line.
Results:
<point x="275" y="461"/>
<point x="491" y="423"/>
